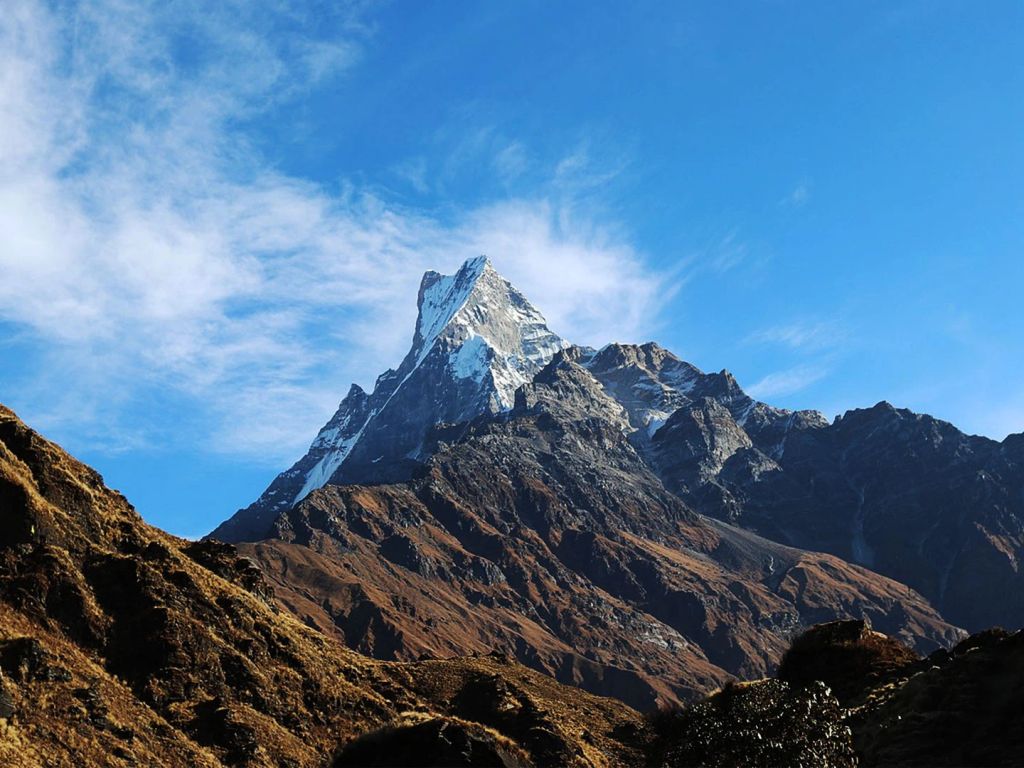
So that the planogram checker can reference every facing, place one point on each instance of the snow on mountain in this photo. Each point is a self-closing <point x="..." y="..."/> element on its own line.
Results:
<point x="477" y="340"/>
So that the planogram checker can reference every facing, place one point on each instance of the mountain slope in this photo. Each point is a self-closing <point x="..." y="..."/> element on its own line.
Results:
<point x="122" y="645"/>
<point x="585" y="489"/>
<point x="542" y="533"/>
<point x="904" y="494"/>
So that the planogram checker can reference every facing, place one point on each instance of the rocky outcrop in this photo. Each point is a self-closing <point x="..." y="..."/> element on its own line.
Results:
<point x="848" y="656"/>
<point x="444" y="742"/>
<point x="763" y="724"/>
<point x="953" y="708"/>
<point x="961" y="707"/>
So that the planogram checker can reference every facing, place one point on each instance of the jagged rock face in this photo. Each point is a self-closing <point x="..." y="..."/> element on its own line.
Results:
<point x="542" y="533"/>
<point x="477" y="340"/>
<point x="648" y="381"/>
<point x="906" y="495"/>
<point x="120" y="644"/>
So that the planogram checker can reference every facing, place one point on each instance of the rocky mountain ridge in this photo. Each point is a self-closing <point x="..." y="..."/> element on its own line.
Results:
<point x="547" y="501"/>
<point x="542" y="533"/>
<point x="904" y="494"/>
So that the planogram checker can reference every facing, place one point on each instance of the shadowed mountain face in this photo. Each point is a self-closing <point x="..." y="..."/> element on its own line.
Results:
<point x="906" y="495"/>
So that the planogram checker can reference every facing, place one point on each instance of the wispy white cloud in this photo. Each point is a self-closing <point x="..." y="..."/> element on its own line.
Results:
<point x="511" y="161"/>
<point x="787" y="382"/>
<point x="816" y="343"/>
<point x="802" y="335"/>
<point x="145" y="245"/>
<point x="580" y="171"/>
<point x="727" y="253"/>
<point x="799" y="196"/>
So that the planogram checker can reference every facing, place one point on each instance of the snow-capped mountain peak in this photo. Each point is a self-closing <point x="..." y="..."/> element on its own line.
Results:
<point x="487" y="328"/>
<point x="477" y="340"/>
<point x="440" y="299"/>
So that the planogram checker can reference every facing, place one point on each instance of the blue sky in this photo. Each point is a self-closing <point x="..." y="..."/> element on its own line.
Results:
<point x="213" y="217"/>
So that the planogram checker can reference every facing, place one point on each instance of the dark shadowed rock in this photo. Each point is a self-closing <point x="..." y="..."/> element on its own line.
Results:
<point x="848" y="656"/>
<point x="441" y="742"/>
<point x="904" y="494"/>
<point x="7" y="708"/>
<point x="951" y="709"/>
<point x="757" y="724"/>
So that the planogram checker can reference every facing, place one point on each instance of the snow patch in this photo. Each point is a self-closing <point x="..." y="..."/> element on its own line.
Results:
<point x="442" y="301"/>
<point x="653" y="421"/>
<point x="321" y="472"/>
<point x="472" y="360"/>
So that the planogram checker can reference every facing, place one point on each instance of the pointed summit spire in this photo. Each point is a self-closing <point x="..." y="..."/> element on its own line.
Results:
<point x="486" y="328"/>
<point x="442" y="296"/>
<point x="477" y="340"/>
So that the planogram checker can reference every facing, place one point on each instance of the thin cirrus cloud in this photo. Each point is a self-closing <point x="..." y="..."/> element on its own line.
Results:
<point x="814" y="341"/>
<point x="802" y="335"/>
<point x="787" y="382"/>
<point x="145" y="245"/>
<point x="798" y="197"/>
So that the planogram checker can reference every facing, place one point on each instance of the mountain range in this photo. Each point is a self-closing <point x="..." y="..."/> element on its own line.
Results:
<point x="618" y="518"/>
<point x="123" y="645"/>
<point x="506" y="519"/>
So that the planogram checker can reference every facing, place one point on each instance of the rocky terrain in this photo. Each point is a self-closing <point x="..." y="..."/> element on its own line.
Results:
<point x="477" y="339"/>
<point x="961" y="707"/>
<point x="544" y="503"/>
<point x="904" y="494"/>
<point x="123" y="645"/>
<point x="541" y="533"/>
<point x="847" y="695"/>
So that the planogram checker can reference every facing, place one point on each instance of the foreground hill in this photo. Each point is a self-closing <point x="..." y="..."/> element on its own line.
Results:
<point x="122" y="645"/>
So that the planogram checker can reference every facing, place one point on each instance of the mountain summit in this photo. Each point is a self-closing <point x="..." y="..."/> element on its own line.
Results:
<point x="477" y="340"/>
